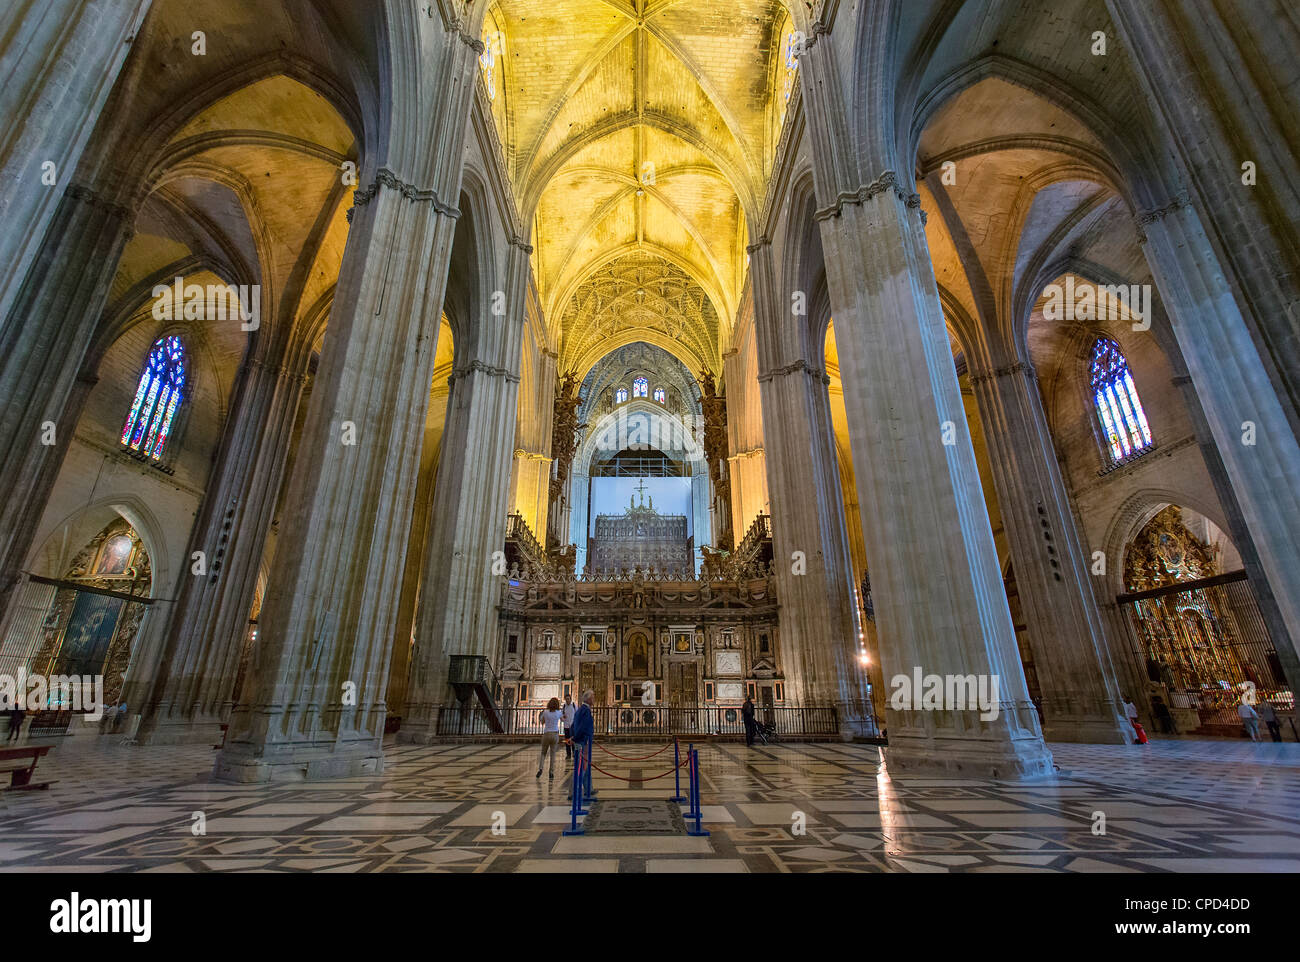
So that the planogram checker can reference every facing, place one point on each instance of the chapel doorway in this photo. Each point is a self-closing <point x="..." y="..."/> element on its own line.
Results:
<point x="593" y="675"/>
<point x="683" y="681"/>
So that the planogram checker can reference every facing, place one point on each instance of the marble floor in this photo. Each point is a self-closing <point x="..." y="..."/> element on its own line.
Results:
<point x="1169" y="806"/>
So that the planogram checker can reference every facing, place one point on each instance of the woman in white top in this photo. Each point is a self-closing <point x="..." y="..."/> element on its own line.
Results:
<point x="550" y="719"/>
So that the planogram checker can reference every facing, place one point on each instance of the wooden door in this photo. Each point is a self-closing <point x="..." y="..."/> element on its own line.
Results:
<point x="592" y="674"/>
<point x="683" y="684"/>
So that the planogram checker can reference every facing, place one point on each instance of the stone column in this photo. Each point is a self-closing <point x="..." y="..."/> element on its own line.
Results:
<point x="939" y="602"/>
<point x="43" y="345"/>
<point x="59" y="59"/>
<point x="460" y="592"/>
<point x="315" y="702"/>
<point x="815" y="590"/>
<point x="1242" y="408"/>
<point x="1053" y="569"/>
<point x="1221" y="82"/>
<point x="189" y="695"/>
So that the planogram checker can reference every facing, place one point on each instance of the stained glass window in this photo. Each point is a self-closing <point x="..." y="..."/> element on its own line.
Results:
<point x="661" y="395"/>
<point x="620" y="395"/>
<point x="640" y="387"/>
<point x="157" y="400"/>
<point x="487" y="60"/>
<point x="1116" y="399"/>
<point x="791" y="64"/>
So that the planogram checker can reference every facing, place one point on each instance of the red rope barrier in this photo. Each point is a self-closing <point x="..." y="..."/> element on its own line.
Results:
<point x="634" y="758"/>
<point x="597" y="768"/>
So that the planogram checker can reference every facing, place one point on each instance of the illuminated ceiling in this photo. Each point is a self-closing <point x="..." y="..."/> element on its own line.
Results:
<point x="639" y="137"/>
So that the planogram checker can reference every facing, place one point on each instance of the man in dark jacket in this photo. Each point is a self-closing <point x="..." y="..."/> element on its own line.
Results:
<point x="584" y="726"/>
<point x="747" y="713"/>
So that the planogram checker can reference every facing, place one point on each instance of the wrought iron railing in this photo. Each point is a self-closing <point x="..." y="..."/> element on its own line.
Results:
<point x="646" y="721"/>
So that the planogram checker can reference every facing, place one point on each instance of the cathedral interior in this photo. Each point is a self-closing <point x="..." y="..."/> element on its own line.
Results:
<point x="375" y="373"/>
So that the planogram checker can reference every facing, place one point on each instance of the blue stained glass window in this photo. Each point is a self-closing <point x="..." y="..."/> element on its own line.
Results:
<point x="640" y="387"/>
<point x="791" y="65"/>
<point x="158" y="398"/>
<point x="1116" y="399"/>
<point x="620" y="395"/>
<point x="661" y="395"/>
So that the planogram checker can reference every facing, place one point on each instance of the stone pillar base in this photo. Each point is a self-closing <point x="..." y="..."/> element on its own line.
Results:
<point x="1087" y="731"/>
<point x="181" y="731"/>
<point x="290" y="764"/>
<point x="855" y="722"/>
<point x="964" y="758"/>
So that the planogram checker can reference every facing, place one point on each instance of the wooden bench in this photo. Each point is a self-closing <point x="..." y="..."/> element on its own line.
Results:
<point x="21" y="778"/>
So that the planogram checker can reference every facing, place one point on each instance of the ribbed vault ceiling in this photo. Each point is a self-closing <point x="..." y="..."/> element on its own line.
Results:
<point x="639" y="136"/>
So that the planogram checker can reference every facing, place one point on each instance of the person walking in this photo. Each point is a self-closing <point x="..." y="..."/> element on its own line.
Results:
<point x="1249" y="720"/>
<point x="567" y="713"/>
<point x="550" y="719"/>
<point x="747" y="714"/>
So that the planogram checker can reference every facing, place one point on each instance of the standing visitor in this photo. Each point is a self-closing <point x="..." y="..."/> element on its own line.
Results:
<point x="1249" y="720"/>
<point x="1269" y="717"/>
<point x="550" y="734"/>
<point x="1131" y="713"/>
<point x="1164" y="717"/>
<point x="569" y="710"/>
<point x="584" y="726"/>
<point x="747" y="713"/>
<point x="16" y="716"/>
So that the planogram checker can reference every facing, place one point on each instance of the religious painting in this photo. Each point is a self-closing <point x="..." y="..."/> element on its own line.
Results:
<point x="593" y="643"/>
<point x="638" y="659"/>
<point x="114" y="556"/>
<point x="88" y="635"/>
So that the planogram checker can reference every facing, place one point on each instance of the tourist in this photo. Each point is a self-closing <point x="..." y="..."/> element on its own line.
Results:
<point x="584" y="726"/>
<point x="1249" y="720"/>
<point x="747" y="714"/>
<point x="1131" y="713"/>
<point x="550" y="719"/>
<point x="569" y="710"/>
<point x="1269" y="717"/>
<point x="1164" y="717"/>
<point x="16" y="716"/>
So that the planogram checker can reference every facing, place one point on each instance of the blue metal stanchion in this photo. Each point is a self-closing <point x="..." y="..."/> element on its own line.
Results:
<point x="576" y="788"/>
<point x="696" y="812"/>
<point x="677" y="773"/>
<point x="588" y="792"/>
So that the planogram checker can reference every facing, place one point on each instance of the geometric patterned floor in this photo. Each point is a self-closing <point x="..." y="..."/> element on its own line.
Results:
<point x="1172" y="805"/>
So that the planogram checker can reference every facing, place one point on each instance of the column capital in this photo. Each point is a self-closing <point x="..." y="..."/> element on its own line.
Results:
<point x="799" y="365"/>
<point x="517" y="241"/>
<point x="91" y="198"/>
<point x="1005" y="371"/>
<point x="887" y="181"/>
<point x="486" y="369"/>
<point x="1154" y="215"/>
<point x="386" y="178"/>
